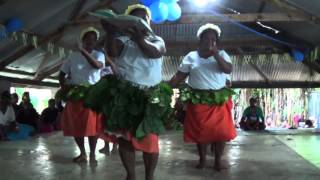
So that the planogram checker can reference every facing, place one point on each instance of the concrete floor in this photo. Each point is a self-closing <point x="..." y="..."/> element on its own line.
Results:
<point x="251" y="156"/>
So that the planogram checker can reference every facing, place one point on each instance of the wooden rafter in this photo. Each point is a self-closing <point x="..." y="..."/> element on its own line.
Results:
<point x="53" y="37"/>
<point x="29" y="82"/>
<point x="44" y="61"/>
<point x="204" y="18"/>
<point x="260" y="72"/>
<point x="76" y="10"/>
<point x="290" y="7"/>
<point x="248" y="17"/>
<point x="19" y="72"/>
<point x="312" y="65"/>
<point x="49" y="71"/>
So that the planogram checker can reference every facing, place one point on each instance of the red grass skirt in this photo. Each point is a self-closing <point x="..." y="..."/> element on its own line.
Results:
<point x="149" y="143"/>
<point x="207" y="124"/>
<point x="79" y="121"/>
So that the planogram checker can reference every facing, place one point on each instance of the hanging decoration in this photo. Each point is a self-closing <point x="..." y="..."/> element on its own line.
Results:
<point x="163" y="10"/>
<point x="3" y="33"/>
<point x="169" y="1"/>
<point x="50" y="47"/>
<point x="174" y="11"/>
<point x="34" y="41"/>
<point x="13" y="25"/>
<point x="14" y="36"/>
<point x="146" y="2"/>
<point x="297" y="55"/>
<point x="159" y="11"/>
<point x="24" y="39"/>
<point x="61" y="52"/>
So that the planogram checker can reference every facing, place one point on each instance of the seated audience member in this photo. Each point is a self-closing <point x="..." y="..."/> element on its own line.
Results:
<point x="49" y="117"/>
<point x="7" y="116"/>
<point x="252" y="117"/>
<point x="28" y="114"/>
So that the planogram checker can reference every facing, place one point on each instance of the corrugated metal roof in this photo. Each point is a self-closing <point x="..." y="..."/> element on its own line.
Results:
<point x="276" y="67"/>
<point x="45" y="16"/>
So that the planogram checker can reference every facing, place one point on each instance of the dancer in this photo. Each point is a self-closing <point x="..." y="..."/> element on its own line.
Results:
<point x="208" y="118"/>
<point x="81" y="68"/>
<point x="138" y="60"/>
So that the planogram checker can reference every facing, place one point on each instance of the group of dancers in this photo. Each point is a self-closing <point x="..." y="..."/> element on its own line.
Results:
<point x="136" y="59"/>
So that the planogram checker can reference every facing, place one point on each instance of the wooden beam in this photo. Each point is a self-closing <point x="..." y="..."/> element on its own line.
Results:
<point x="290" y="7"/>
<point x="42" y="64"/>
<point x="29" y="82"/>
<point x="53" y="37"/>
<point x="19" y="72"/>
<point x="77" y="9"/>
<point x="312" y="65"/>
<point x="47" y="72"/>
<point x="260" y="72"/>
<point x="205" y="18"/>
<point x="274" y="84"/>
<point x="249" y="17"/>
<point x="16" y="55"/>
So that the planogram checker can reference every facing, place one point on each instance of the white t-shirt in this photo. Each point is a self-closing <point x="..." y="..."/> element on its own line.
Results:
<point x="80" y="71"/>
<point x="134" y="66"/>
<point x="204" y="73"/>
<point x="7" y="117"/>
<point x="106" y="71"/>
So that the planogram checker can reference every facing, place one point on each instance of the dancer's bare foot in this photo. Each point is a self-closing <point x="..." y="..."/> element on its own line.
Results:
<point x="82" y="158"/>
<point x="219" y="165"/>
<point x="93" y="159"/>
<point x="104" y="150"/>
<point x="201" y="165"/>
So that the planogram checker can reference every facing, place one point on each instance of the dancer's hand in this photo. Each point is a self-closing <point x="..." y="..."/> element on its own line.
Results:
<point x="137" y="34"/>
<point x="214" y="49"/>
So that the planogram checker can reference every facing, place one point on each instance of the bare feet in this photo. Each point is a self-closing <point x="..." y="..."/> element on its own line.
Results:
<point x="114" y="149"/>
<point x="82" y="158"/>
<point x="219" y="165"/>
<point x="201" y="165"/>
<point x="93" y="159"/>
<point x="105" y="151"/>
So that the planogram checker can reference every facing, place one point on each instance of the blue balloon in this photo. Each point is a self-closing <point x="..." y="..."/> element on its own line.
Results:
<point x="169" y="1"/>
<point x="159" y="12"/>
<point x="174" y="11"/>
<point x="13" y="25"/>
<point x="146" y="2"/>
<point x="3" y="32"/>
<point x="298" y="55"/>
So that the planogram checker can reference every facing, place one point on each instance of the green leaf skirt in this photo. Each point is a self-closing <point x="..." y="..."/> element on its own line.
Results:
<point x="130" y="107"/>
<point x="72" y="93"/>
<point x="208" y="97"/>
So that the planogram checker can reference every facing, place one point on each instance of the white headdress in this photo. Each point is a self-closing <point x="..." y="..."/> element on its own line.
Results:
<point x="208" y="26"/>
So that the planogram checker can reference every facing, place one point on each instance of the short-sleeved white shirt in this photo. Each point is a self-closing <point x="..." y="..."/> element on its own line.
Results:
<point x="204" y="73"/>
<point x="134" y="66"/>
<point x="8" y="116"/>
<point x="80" y="71"/>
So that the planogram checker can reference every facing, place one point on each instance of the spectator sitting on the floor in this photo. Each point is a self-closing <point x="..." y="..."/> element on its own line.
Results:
<point x="252" y="117"/>
<point x="60" y="108"/>
<point x="28" y="114"/>
<point x="48" y="117"/>
<point x="308" y="124"/>
<point x="7" y="116"/>
<point x="14" y="102"/>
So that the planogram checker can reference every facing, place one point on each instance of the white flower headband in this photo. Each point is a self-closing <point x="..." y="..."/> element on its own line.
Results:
<point x="89" y="29"/>
<point x="208" y="26"/>
<point x="138" y="6"/>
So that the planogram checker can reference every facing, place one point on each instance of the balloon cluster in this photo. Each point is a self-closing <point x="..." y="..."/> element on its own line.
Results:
<point x="163" y="10"/>
<point x="297" y="55"/>
<point x="12" y="25"/>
